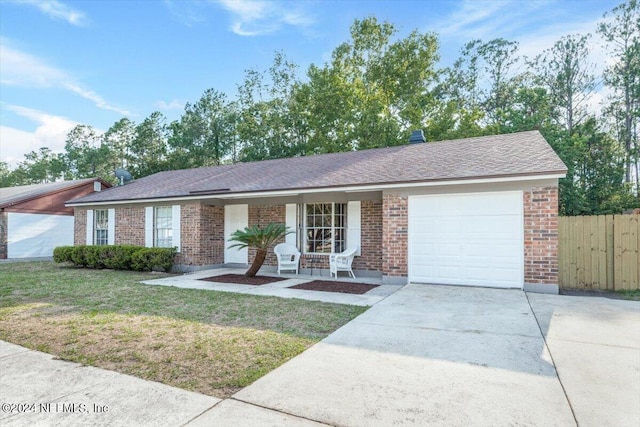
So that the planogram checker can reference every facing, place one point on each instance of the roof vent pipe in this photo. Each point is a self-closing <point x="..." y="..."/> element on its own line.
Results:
<point x="417" y="136"/>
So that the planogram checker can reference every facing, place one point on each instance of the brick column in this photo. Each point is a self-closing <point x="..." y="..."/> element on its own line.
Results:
<point x="370" y="238"/>
<point x="4" y="231"/>
<point x="394" y="237"/>
<point x="541" y="239"/>
<point x="79" y="226"/>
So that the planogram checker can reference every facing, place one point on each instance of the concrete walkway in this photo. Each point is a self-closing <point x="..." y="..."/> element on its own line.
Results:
<point x="426" y="355"/>
<point x="280" y="289"/>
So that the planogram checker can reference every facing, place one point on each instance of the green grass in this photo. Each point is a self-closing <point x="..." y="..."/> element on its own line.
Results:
<point x="211" y="342"/>
<point x="630" y="294"/>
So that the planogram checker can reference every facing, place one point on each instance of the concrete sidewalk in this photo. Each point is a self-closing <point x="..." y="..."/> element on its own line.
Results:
<point x="426" y="355"/>
<point x="595" y="343"/>
<point x="38" y="390"/>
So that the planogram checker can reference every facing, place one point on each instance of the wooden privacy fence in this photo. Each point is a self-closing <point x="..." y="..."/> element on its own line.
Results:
<point x="599" y="252"/>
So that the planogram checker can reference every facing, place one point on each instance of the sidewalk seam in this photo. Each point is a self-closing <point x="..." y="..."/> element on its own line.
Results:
<point x="544" y="339"/>
<point x="203" y="412"/>
<point x="280" y="411"/>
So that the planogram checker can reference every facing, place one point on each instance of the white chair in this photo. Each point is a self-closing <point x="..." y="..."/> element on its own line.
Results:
<point x="342" y="262"/>
<point x="288" y="257"/>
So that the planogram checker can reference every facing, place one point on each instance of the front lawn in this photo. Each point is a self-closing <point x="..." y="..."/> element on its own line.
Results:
<point x="210" y="342"/>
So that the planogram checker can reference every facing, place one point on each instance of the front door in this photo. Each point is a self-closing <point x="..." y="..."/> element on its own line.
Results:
<point x="236" y="217"/>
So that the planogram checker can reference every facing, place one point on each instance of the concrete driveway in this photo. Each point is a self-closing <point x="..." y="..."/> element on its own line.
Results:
<point x="439" y="355"/>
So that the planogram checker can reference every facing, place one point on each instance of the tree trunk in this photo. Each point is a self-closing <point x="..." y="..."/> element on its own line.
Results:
<point x="261" y="254"/>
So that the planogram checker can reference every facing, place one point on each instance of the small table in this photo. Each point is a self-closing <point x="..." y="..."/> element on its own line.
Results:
<point x="314" y="260"/>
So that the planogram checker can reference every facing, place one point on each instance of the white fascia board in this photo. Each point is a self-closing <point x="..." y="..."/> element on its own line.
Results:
<point x="296" y="192"/>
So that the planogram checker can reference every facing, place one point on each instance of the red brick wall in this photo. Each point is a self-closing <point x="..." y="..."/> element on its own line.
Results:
<point x="129" y="226"/>
<point x="79" y="226"/>
<point x="201" y="235"/>
<point x="541" y="235"/>
<point x="394" y="234"/>
<point x="262" y="215"/>
<point x="201" y="231"/>
<point x="370" y="237"/>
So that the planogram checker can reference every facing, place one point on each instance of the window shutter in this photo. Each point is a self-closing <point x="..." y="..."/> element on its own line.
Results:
<point x="291" y="222"/>
<point x="148" y="226"/>
<point x="89" y="239"/>
<point x="111" y="231"/>
<point x="353" y="225"/>
<point x="175" y="224"/>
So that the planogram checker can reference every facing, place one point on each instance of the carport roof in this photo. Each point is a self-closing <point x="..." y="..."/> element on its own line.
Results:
<point x="510" y="155"/>
<point x="11" y="195"/>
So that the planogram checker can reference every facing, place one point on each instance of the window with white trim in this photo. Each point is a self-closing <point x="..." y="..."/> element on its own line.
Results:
<point x="325" y="227"/>
<point x="101" y="227"/>
<point x="163" y="227"/>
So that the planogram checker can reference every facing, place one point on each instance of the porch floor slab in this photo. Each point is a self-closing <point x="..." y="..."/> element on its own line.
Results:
<point x="282" y="288"/>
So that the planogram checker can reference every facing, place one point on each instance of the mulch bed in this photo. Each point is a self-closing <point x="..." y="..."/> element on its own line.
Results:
<point x="333" y="286"/>
<point x="241" y="279"/>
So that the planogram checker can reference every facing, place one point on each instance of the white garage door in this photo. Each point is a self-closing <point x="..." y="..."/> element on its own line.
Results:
<point x="467" y="239"/>
<point x="34" y="235"/>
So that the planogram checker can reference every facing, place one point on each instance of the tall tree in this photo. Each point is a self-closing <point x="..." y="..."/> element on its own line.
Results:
<point x="374" y="90"/>
<point x="42" y="166"/>
<point x="148" y="149"/>
<point x="203" y="136"/>
<point x="566" y="73"/>
<point x="119" y="138"/>
<point x="6" y="180"/>
<point x="87" y="156"/>
<point x="621" y="31"/>
<point x="486" y="72"/>
<point x="271" y="124"/>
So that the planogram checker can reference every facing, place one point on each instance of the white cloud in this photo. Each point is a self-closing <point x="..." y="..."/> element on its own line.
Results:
<point x="57" y="10"/>
<point x="258" y="17"/>
<point x="174" y="104"/>
<point x="473" y="19"/>
<point x="187" y="12"/>
<point x="22" y="69"/>
<point x="15" y="144"/>
<point x="51" y="131"/>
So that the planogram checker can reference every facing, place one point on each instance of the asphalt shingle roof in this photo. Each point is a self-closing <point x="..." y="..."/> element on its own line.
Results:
<point x="517" y="154"/>
<point x="12" y="195"/>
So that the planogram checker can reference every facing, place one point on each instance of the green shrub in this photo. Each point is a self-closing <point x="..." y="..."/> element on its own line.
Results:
<point x="117" y="257"/>
<point x="62" y="254"/>
<point x="92" y="257"/>
<point x="153" y="259"/>
<point x="78" y="256"/>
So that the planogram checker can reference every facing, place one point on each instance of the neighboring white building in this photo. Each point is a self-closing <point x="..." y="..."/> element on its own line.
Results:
<point x="34" y="219"/>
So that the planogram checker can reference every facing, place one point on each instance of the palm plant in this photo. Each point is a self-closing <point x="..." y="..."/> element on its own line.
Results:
<point x="259" y="238"/>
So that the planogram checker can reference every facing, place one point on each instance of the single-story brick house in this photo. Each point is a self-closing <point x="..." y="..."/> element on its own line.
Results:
<point x="477" y="211"/>
<point x="34" y="218"/>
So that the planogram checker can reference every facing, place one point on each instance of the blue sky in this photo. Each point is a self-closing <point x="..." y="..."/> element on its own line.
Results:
<point x="92" y="62"/>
